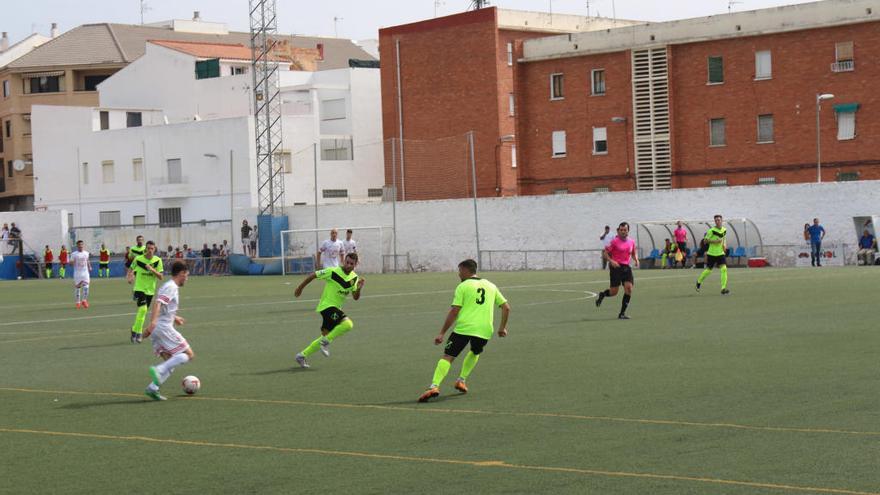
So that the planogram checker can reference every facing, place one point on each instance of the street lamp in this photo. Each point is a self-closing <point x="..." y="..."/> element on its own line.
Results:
<point x="819" y="98"/>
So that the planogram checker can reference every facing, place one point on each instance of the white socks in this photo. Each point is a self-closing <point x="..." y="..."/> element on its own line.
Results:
<point x="85" y="292"/>
<point x="76" y="294"/>
<point x="167" y="367"/>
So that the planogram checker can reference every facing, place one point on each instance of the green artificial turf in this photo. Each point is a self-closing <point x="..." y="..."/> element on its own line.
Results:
<point x="773" y="389"/>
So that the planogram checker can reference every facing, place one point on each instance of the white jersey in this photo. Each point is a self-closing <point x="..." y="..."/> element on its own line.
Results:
<point x="80" y="262"/>
<point x="330" y="251"/>
<point x="168" y="297"/>
<point x="349" y="247"/>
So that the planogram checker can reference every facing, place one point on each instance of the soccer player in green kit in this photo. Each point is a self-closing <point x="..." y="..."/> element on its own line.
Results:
<point x="473" y="313"/>
<point x="146" y="270"/>
<point x="715" y="255"/>
<point x="339" y="282"/>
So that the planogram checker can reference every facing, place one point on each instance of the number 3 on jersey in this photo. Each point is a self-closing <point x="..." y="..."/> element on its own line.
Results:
<point x="482" y="298"/>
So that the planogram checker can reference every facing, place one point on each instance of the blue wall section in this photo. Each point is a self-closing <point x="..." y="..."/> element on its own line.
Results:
<point x="9" y="271"/>
<point x="269" y="232"/>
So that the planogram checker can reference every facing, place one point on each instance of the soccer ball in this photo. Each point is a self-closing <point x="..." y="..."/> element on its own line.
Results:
<point x="191" y="384"/>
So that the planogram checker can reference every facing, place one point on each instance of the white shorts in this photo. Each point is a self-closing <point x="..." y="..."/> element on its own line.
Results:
<point x="167" y="340"/>
<point x="77" y="281"/>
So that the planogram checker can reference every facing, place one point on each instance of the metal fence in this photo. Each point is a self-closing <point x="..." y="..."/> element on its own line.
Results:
<point x="35" y="267"/>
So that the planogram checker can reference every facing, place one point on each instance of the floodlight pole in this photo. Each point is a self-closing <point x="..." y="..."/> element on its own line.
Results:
<point x="474" y="178"/>
<point x="819" y="98"/>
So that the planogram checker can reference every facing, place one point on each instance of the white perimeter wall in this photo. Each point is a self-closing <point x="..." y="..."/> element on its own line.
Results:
<point x="38" y="228"/>
<point x="439" y="234"/>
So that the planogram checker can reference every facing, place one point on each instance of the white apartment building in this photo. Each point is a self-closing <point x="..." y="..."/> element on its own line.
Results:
<point x="158" y="148"/>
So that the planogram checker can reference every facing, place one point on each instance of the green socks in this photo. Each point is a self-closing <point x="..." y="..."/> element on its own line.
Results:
<point x="340" y="330"/>
<point x="138" y="326"/>
<point x="723" y="277"/>
<point x="468" y="365"/>
<point x="703" y="275"/>
<point x="48" y="273"/>
<point x="441" y="371"/>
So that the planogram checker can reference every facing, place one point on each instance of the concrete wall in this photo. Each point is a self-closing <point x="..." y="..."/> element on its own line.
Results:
<point x="439" y="234"/>
<point x="38" y="228"/>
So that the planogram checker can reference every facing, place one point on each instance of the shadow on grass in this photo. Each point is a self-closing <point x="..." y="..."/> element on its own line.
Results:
<point x="89" y="405"/>
<point x="274" y="372"/>
<point x="415" y="402"/>
<point x="94" y="346"/>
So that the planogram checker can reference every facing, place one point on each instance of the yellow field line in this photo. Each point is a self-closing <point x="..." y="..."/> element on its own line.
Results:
<point x="338" y="405"/>
<point x="479" y="464"/>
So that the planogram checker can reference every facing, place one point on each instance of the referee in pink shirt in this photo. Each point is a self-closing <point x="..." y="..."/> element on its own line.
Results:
<point x="618" y="253"/>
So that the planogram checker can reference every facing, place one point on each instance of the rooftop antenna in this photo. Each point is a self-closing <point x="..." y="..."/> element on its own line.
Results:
<point x="478" y="4"/>
<point x="588" y="8"/>
<point x="438" y="4"/>
<point x="335" y="25"/>
<point x="730" y="4"/>
<point x="144" y="8"/>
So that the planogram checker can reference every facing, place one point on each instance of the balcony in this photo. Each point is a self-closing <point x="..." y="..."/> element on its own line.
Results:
<point x="170" y="187"/>
<point x="843" y="66"/>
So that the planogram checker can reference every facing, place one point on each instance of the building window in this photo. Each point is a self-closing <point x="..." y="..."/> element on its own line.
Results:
<point x="716" y="70"/>
<point x="138" y="220"/>
<point x="510" y="54"/>
<point x="104" y="117"/>
<point x="513" y="156"/>
<point x="718" y="182"/>
<point x="765" y="128"/>
<point x="336" y="149"/>
<point x="600" y="141"/>
<point x="90" y="83"/>
<point x="601" y="189"/>
<point x="7" y="88"/>
<point x="206" y="69"/>
<point x="763" y="65"/>
<point x="137" y="169"/>
<point x="108" y="177"/>
<point x="558" y="143"/>
<point x="374" y="192"/>
<point x="110" y="218"/>
<point x="9" y="168"/>
<point x="846" y="120"/>
<point x="236" y="71"/>
<point x="333" y="109"/>
<point x="766" y="181"/>
<point x="85" y="173"/>
<point x="847" y="176"/>
<point x="169" y="217"/>
<point x="597" y="77"/>
<point x="556" y="87"/>
<point x="133" y="119"/>
<point x="511" y="105"/>
<point x="716" y="133"/>
<point x="69" y="220"/>
<point x="843" y="55"/>
<point x="560" y="191"/>
<point x="44" y="83"/>
<point x="175" y="171"/>
<point x="8" y="129"/>
<point x="335" y="193"/>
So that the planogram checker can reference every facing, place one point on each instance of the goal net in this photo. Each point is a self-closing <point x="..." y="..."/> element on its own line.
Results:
<point x="300" y="246"/>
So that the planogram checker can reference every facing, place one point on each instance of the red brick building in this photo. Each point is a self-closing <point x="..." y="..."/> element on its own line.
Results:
<point x="457" y="76"/>
<point x="721" y="100"/>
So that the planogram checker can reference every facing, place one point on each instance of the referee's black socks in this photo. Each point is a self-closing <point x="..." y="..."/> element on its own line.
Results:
<point x="625" y="303"/>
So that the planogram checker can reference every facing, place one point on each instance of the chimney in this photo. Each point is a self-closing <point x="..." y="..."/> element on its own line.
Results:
<point x="320" y="51"/>
<point x="196" y="16"/>
<point x="4" y="42"/>
<point x="54" y="31"/>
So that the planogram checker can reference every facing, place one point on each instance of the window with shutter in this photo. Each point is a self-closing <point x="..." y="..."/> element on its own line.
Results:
<point x="716" y="70"/>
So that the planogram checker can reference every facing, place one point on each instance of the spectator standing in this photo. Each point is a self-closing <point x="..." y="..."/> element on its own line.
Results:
<point x="817" y="233"/>
<point x="807" y="232"/>
<point x="867" y="247"/>
<point x="681" y="237"/>
<point x="253" y="241"/>
<point x="330" y="253"/>
<point x="4" y="237"/>
<point x="246" y="238"/>
<point x="606" y="239"/>
<point x="206" y="259"/>
<point x="15" y="239"/>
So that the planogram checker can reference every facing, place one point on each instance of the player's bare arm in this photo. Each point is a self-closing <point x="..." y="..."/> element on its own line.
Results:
<point x="154" y="317"/>
<point x="450" y="319"/>
<point x="635" y="259"/>
<point x="357" y="293"/>
<point x="299" y="289"/>
<point x="609" y="259"/>
<point x="505" y="313"/>
<point x="179" y="320"/>
<point x="318" y="260"/>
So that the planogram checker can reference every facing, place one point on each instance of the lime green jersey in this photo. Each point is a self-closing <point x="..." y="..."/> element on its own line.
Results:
<point x="338" y="285"/>
<point x="477" y="299"/>
<point x="713" y="234"/>
<point x="145" y="280"/>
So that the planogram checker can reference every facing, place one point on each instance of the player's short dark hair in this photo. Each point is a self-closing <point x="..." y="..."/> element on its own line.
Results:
<point x="349" y="231"/>
<point x="623" y="224"/>
<point x="178" y="267"/>
<point x="353" y="256"/>
<point x="139" y="237"/>
<point x="79" y="241"/>
<point x="717" y="216"/>
<point x="150" y="243"/>
<point x="469" y="265"/>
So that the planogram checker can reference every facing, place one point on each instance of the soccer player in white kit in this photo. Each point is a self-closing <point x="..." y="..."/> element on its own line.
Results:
<point x="81" y="269"/>
<point x="331" y="252"/>
<point x="349" y="245"/>
<point x="168" y="343"/>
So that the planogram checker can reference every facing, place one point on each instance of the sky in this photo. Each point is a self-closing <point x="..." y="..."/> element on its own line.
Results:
<point x="357" y="19"/>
